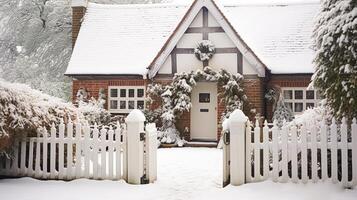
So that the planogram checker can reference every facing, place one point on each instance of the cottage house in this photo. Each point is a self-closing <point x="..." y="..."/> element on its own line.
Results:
<point x="123" y="48"/>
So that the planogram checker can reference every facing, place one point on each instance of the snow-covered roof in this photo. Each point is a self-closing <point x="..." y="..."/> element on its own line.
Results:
<point x="280" y="35"/>
<point x="124" y="39"/>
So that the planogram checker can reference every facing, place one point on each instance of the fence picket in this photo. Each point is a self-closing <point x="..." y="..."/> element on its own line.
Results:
<point x="313" y="144"/>
<point x="103" y="166"/>
<point x="61" y="150"/>
<point x="78" y="148"/>
<point x="15" y="167"/>
<point x="69" y="137"/>
<point x="257" y="151"/>
<point x="275" y="133"/>
<point x="118" y="154"/>
<point x="110" y="152"/>
<point x="23" y="157"/>
<point x="304" y="175"/>
<point x="44" y="154"/>
<point x="354" y="151"/>
<point x="248" y="141"/>
<point x="323" y="141"/>
<point x="53" y="158"/>
<point x="30" y="170"/>
<point x="265" y="150"/>
<point x="284" y="153"/>
<point x="344" y="158"/>
<point x="87" y="152"/>
<point x="95" y="151"/>
<point x="294" y="160"/>
<point x="38" y="158"/>
<point x="333" y="134"/>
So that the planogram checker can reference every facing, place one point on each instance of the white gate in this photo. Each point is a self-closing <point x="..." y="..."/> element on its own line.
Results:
<point x="296" y="153"/>
<point x="74" y="150"/>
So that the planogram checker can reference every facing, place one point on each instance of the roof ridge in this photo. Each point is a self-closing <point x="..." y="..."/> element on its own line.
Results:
<point x="128" y="6"/>
<point x="268" y="4"/>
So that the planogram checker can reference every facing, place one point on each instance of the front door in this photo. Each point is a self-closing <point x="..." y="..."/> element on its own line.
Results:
<point x="204" y="111"/>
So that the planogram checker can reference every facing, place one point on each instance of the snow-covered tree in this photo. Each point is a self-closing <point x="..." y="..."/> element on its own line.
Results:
<point x="36" y="45"/>
<point x="335" y="43"/>
<point x="281" y="112"/>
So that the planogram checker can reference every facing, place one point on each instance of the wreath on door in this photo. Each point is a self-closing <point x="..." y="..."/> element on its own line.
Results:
<point x="204" y="50"/>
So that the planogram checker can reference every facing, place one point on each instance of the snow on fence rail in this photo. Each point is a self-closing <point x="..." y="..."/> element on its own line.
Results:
<point x="69" y="152"/>
<point x="296" y="153"/>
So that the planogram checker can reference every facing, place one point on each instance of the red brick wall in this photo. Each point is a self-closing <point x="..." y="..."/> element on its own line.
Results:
<point x="77" y="15"/>
<point x="254" y="89"/>
<point x="286" y="81"/>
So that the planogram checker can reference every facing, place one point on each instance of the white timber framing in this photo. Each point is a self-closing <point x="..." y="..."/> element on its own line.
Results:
<point x="242" y="49"/>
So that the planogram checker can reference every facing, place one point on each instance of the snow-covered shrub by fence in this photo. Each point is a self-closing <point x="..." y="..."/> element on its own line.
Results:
<point x="69" y="152"/>
<point x="302" y="153"/>
<point x="25" y="111"/>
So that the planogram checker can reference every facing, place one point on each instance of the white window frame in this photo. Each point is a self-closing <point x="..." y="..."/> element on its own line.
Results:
<point x="126" y="98"/>
<point x="304" y="101"/>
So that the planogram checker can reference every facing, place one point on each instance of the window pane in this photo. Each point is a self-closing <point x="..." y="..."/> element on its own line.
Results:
<point x="298" y="107"/>
<point x="140" y="104"/>
<point x="289" y="105"/>
<point x="310" y="94"/>
<point x="204" y="97"/>
<point x="310" y="105"/>
<point x="288" y="94"/>
<point x="113" y="104"/>
<point x="131" y="92"/>
<point x="122" y="92"/>
<point x="122" y="104"/>
<point x="113" y="92"/>
<point x="298" y="94"/>
<point x="140" y="92"/>
<point x="131" y="104"/>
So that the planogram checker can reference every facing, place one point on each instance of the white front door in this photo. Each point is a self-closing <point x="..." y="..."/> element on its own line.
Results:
<point x="204" y="111"/>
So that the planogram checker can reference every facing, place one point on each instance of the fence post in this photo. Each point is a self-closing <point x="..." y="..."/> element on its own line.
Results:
<point x="237" y="122"/>
<point x="135" y="126"/>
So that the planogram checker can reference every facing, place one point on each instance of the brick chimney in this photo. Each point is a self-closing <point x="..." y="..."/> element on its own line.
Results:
<point x="78" y="10"/>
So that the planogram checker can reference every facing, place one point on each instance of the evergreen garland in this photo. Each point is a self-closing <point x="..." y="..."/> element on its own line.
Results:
<point x="176" y="96"/>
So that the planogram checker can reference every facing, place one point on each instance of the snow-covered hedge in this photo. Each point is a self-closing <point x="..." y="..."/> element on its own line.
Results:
<point x="25" y="111"/>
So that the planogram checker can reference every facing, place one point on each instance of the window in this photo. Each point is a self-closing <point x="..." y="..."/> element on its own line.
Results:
<point x="123" y="99"/>
<point x="204" y="97"/>
<point x="299" y="99"/>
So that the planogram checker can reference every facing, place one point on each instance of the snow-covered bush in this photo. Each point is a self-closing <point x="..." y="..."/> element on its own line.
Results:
<point x="176" y="97"/>
<point x="314" y="116"/>
<point x="24" y="111"/>
<point x="335" y="44"/>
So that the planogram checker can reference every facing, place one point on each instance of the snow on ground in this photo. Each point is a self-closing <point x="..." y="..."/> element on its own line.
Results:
<point x="183" y="173"/>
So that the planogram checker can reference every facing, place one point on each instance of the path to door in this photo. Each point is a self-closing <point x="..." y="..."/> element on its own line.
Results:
<point x="189" y="171"/>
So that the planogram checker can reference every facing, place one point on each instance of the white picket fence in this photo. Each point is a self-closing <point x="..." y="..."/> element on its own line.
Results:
<point x="293" y="153"/>
<point x="71" y="152"/>
<point x="301" y="153"/>
<point x="74" y="151"/>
